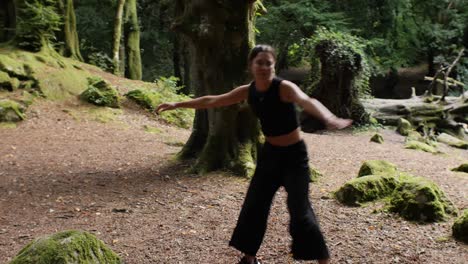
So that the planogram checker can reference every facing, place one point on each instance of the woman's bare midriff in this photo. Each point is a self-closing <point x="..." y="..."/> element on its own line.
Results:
<point x="286" y="139"/>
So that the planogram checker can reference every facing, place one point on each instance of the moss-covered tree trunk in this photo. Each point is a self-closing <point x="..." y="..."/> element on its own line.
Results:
<point x="220" y="35"/>
<point x="117" y="37"/>
<point x="71" y="46"/>
<point x="336" y="89"/>
<point x="7" y="20"/>
<point x="132" y="41"/>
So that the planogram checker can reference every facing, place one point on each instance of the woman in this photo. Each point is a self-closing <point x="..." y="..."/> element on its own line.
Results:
<point x="282" y="162"/>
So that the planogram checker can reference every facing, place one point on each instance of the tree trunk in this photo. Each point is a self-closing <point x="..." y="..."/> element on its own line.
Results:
<point x="132" y="38"/>
<point x="7" y="20"/>
<point x="69" y="35"/>
<point x="336" y="88"/>
<point x="220" y="35"/>
<point x="117" y="38"/>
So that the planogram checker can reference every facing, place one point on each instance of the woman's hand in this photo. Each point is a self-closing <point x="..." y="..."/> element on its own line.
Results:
<point x="165" y="107"/>
<point x="335" y="122"/>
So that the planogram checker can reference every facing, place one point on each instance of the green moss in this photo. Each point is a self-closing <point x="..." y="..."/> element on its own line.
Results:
<point x="366" y="189"/>
<point x="5" y="81"/>
<point x="461" y="168"/>
<point x="7" y="125"/>
<point x="452" y="141"/>
<point x="150" y="99"/>
<point x="404" y="127"/>
<point x="412" y="144"/>
<point x="460" y="227"/>
<point x="11" y="111"/>
<point x="65" y="248"/>
<point x="104" y="114"/>
<point x="315" y="174"/>
<point x="377" y="138"/>
<point x="418" y="199"/>
<point x="377" y="167"/>
<point x="152" y="130"/>
<point x="147" y="99"/>
<point x="101" y="93"/>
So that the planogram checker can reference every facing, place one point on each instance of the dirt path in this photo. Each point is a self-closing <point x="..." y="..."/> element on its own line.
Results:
<point x="60" y="170"/>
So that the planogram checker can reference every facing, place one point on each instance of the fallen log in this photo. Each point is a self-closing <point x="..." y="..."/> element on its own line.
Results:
<point x="450" y="116"/>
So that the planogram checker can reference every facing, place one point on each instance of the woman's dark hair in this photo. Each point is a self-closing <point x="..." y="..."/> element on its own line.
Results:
<point x="261" y="48"/>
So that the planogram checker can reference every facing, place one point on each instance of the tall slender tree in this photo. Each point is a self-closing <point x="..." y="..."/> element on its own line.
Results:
<point x="117" y="37"/>
<point x="71" y="47"/>
<point x="132" y="41"/>
<point x="220" y="35"/>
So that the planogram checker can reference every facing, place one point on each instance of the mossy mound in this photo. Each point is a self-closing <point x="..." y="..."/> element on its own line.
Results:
<point x="417" y="145"/>
<point x="11" y="111"/>
<point x="45" y="72"/>
<point x="146" y="99"/>
<point x="418" y="199"/>
<point x="404" y="127"/>
<point x="101" y="93"/>
<point x="377" y="138"/>
<point x="460" y="227"/>
<point x="461" y="168"/>
<point x="366" y="189"/>
<point x="150" y="99"/>
<point x="452" y="141"/>
<point x="66" y="248"/>
<point x="377" y="167"/>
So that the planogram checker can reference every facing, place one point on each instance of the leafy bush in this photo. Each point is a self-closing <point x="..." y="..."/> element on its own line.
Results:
<point x="37" y="22"/>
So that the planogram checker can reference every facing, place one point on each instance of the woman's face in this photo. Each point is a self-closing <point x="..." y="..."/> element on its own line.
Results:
<point x="263" y="66"/>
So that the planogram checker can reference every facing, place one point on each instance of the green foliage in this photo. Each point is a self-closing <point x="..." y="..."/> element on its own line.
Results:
<point x="38" y="20"/>
<point x="289" y="21"/>
<point x="343" y="51"/>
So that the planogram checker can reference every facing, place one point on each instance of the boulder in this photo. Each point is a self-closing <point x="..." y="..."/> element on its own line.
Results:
<point x="460" y="228"/>
<point x="366" y="189"/>
<point x="377" y="138"/>
<point x="418" y="199"/>
<point x="67" y="247"/>
<point x="377" y="167"/>
<point x="11" y="111"/>
<point x="404" y="127"/>
<point x="101" y="93"/>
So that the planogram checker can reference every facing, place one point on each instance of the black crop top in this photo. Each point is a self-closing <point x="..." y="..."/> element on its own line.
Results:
<point x="277" y="117"/>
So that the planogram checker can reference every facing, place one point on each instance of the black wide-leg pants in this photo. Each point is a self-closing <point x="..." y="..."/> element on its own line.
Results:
<point x="280" y="166"/>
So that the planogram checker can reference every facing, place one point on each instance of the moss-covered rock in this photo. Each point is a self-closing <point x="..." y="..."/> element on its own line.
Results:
<point x="377" y="138"/>
<point x="460" y="227"/>
<point x="461" y="168"/>
<point x="417" y="145"/>
<point x="366" y="189"/>
<point x="404" y="127"/>
<point x="377" y="167"/>
<point x="66" y="248"/>
<point x="452" y="141"/>
<point x="150" y="99"/>
<point x="418" y="199"/>
<point x="146" y="99"/>
<point x="5" y="81"/>
<point x="314" y="174"/>
<point x="11" y="111"/>
<point x="101" y="93"/>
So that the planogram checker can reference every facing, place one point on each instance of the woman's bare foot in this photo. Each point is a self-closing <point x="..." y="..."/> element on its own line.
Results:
<point x="324" y="261"/>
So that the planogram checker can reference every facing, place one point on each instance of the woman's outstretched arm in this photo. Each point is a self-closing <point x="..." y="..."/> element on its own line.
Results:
<point x="209" y="101"/>
<point x="290" y="92"/>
